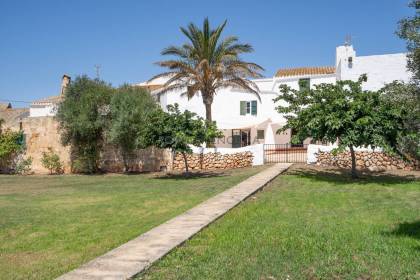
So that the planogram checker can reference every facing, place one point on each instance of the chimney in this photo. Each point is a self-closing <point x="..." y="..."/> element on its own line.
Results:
<point x="65" y="81"/>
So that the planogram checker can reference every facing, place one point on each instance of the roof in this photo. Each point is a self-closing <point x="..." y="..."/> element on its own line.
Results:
<point x="150" y="87"/>
<point x="302" y="71"/>
<point x="48" y="100"/>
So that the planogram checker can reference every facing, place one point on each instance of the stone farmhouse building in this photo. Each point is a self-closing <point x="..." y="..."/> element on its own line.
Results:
<point x="246" y="120"/>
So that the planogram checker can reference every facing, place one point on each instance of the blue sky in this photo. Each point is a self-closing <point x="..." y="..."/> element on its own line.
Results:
<point x="41" y="40"/>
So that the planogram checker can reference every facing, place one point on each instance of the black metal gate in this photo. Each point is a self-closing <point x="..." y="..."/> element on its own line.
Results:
<point x="274" y="153"/>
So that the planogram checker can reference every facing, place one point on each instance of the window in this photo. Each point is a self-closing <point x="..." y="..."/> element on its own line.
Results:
<point x="260" y="134"/>
<point x="248" y="107"/>
<point x="350" y="60"/>
<point x="304" y="84"/>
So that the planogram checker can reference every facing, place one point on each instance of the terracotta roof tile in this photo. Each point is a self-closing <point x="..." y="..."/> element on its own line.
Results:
<point x="151" y="87"/>
<point x="321" y="70"/>
<point x="48" y="100"/>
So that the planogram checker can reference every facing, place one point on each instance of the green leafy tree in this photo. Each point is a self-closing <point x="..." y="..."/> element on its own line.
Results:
<point x="178" y="130"/>
<point x="207" y="63"/>
<point x="341" y="112"/>
<point x="83" y="118"/>
<point x="403" y="101"/>
<point x="409" y="30"/>
<point x="406" y="96"/>
<point x="51" y="161"/>
<point x="130" y="107"/>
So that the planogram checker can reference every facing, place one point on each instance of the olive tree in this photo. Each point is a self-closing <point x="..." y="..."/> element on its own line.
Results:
<point x="130" y="107"/>
<point x="83" y="119"/>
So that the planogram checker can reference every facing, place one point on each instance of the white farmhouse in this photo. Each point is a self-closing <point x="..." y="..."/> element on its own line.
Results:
<point x="246" y="120"/>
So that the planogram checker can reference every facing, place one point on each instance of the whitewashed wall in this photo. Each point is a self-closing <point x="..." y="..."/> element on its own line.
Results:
<point x="380" y="69"/>
<point x="42" y="111"/>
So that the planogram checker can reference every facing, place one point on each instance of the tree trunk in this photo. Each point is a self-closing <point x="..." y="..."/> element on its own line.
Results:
<point x="184" y="155"/>
<point x="353" y="162"/>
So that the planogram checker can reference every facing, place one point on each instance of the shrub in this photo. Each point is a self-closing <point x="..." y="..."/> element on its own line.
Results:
<point x="22" y="166"/>
<point x="51" y="161"/>
<point x="10" y="147"/>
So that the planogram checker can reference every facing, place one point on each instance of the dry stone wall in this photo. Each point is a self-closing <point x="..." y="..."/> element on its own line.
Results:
<point x="373" y="161"/>
<point x="213" y="161"/>
<point x="145" y="160"/>
<point x="41" y="133"/>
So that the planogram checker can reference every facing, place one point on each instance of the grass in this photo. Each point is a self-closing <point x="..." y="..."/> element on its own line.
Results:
<point x="52" y="224"/>
<point x="309" y="224"/>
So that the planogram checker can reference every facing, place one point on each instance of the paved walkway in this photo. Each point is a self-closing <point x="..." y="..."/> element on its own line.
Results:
<point x="138" y="254"/>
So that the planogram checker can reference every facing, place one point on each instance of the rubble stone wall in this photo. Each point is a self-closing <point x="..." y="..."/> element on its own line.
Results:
<point x="41" y="133"/>
<point x="209" y="161"/>
<point x="373" y="161"/>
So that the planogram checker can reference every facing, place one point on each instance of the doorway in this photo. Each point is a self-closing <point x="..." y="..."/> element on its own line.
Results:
<point x="241" y="138"/>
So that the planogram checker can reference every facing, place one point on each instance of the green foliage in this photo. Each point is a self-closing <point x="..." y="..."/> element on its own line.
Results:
<point x="22" y="166"/>
<point x="403" y="101"/>
<point x="130" y="107"/>
<point x="409" y="31"/>
<point x="51" y="161"/>
<point x="176" y="131"/>
<point x="407" y="96"/>
<point x="83" y="118"/>
<point x="10" y="147"/>
<point x="343" y="112"/>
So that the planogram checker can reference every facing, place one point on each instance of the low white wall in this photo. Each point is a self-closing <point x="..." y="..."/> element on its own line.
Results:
<point x="256" y="150"/>
<point x="314" y="149"/>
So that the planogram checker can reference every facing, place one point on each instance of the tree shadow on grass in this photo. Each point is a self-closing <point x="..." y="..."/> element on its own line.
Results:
<point x="192" y="175"/>
<point x="342" y="176"/>
<point x="409" y="229"/>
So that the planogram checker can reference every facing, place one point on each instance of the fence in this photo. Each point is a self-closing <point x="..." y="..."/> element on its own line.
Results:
<point x="274" y="153"/>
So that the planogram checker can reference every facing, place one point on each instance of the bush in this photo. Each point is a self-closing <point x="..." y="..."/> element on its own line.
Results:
<point x="51" y="161"/>
<point x="10" y="148"/>
<point x="22" y="166"/>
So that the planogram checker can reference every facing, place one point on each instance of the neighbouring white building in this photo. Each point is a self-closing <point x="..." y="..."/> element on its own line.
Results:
<point x="246" y="120"/>
<point x="47" y="107"/>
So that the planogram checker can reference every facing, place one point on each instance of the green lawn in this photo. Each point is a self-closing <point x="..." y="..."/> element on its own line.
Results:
<point x="52" y="224"/>
<point x="309" y="224"/>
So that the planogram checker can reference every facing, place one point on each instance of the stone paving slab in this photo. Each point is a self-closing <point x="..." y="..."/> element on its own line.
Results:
<point x="138" y="254"/>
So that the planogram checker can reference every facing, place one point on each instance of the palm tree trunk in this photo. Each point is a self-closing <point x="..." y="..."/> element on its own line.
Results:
<point x="208" y="111"/>
<point x="207" y="103"/>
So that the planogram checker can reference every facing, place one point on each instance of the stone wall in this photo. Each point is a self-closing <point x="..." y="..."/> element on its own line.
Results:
<point x="373" y="161"/>
<point x="41" y="133"/>
<point x="146" y="160"/>
<point x="213" y="161"/>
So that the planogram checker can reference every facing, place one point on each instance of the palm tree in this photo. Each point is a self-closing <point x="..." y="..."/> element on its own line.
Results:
<point x="206" y="63"/>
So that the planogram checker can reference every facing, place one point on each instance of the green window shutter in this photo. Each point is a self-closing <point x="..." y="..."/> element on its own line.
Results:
<point x="243" y="108"/>
<point x="254" y="107"/>
<point x="304" y="84"/>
